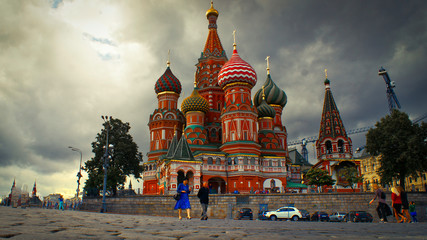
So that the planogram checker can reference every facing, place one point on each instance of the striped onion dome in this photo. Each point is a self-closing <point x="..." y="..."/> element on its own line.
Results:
<point x="168" y="82"/>
<point x="236" y="70"/>
<point x="195" y="102"/>
<point x="273" y="94"/>
<point x="265" y="110"/>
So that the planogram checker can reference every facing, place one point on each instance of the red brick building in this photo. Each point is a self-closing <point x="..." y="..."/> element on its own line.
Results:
<point x="220" y="135"/>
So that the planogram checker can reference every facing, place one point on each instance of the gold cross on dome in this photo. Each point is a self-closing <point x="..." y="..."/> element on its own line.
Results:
<point x="169" y="55"/>
<point x="263" y="93"/>
<point x="268" y="64"/>
<point x="234" y="38"/>
<point x="326" y="73"/>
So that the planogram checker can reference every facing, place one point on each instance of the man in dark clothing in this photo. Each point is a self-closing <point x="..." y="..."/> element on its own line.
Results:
<point x="203" y="195"/>
<point x="381" y="208"/>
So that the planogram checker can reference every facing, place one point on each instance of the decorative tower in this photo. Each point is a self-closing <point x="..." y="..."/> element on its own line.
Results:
<point x="34" y="193"/>
<point x="164" y="120"/>
<point x="276" y="98"/>
<point x="333" y="141"/>
<point x="334" y="147"/>
<point x="195" y="107"/>
<point x="239" y="116"/>
<point x="167" y="116"/>
<point x="209" y="64"/>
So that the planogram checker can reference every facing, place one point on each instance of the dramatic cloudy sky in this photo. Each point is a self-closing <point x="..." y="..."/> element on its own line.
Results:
<point x="63" y="64"/>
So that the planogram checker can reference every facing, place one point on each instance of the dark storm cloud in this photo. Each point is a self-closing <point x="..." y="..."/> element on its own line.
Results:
<point x="54" y="86"/>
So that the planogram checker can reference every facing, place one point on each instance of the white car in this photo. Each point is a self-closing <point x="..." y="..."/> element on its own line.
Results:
<point x="284" y="213"/>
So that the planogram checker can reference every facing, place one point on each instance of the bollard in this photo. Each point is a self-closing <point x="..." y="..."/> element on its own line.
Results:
<point x="230" y="211"/>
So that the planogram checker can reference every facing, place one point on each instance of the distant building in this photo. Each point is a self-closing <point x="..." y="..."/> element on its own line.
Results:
<point x="370" y="166"/>
<point x="298" y="167"/>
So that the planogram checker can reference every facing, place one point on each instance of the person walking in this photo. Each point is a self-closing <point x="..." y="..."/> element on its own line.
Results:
<point x="396" y="201"/>
<point x="203" y="195"/>
<point x="405" y="205"/>
<point x="61" y="203"/>
<point x="381" y="207"/>
<point x="183" y="202"/>
<point x="413" y="212"/>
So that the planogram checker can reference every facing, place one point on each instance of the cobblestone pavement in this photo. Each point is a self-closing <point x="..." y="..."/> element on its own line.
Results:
<point x="36" y="223"/>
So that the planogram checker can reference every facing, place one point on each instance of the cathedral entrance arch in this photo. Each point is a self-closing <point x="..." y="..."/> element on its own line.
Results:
<point x="181" y="176"/>
<point x="217" y="185"/>
<point x="272" y="185"/>
<point x="190" y="177"/>
<point x="337" y="171"/>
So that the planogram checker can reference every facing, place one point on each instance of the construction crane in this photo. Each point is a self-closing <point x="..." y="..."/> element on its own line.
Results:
<point x="393" y="103"/>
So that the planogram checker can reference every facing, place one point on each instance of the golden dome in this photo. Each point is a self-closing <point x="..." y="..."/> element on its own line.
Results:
<point x="212" y="10"/>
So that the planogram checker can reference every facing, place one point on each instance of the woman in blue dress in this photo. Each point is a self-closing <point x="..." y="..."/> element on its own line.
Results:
<point x="183" y="202"/>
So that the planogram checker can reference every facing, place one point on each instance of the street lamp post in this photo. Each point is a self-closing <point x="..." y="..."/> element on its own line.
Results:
<point x="106" y="158"/>
<point x="79" y="173"/>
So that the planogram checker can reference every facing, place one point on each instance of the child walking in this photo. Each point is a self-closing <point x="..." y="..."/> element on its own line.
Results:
<point x="413" y="212"/>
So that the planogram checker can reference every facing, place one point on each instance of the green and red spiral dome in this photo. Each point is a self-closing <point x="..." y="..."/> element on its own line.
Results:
<point x="265" y="110"/>
<point x="168" y="82"/>
<point x="273" y="94"/>
<point x="236" y="70"/>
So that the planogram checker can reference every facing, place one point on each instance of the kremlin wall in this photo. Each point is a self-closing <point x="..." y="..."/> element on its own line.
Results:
<point x="227" y="205"/>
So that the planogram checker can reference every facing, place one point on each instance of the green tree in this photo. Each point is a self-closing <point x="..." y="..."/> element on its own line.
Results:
<point x="125" y="159"/>
<point x="351" y="176"/>
<point x="319" y="177"/>
<point x="401" y="144"/>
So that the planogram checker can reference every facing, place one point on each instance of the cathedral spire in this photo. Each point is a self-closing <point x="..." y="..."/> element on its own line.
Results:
<point x="213" y="45"/>
<point x="332" y="134"/>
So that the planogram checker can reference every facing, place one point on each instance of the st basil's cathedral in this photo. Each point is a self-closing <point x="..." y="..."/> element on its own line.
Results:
<point x="220" y="135"/>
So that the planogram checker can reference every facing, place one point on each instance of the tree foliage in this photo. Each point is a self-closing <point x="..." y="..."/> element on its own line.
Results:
<point x="401" y="144"/>
<point x="125" y="158"/>
<point x="319" y="177"/>
<point x="351" y="176"/>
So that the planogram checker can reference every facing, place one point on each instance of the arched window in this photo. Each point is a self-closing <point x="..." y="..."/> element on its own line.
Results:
<point x="270" y="163"/>
<point x="236" y="161"/>
<point x="245" y="161"/>
<point x="328" y="147"/>
<point x="252" y="161"/>
<point x="340" y="146"/>
<point x="218" y="161"/>
<point x="210" y="160"/>
<point x="213" y="132"/>
<point x="229" y="161"/>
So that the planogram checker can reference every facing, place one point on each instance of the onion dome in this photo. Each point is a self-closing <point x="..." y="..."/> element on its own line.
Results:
<point x="273" y="94"/>
<point x="265" y="110"/>
<point x="236" y="70"/>
<point x="168" y="82"/>
<point x="327" y="82"/>
<point x="195" y="102"/>
<point x="212" y="11"/>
